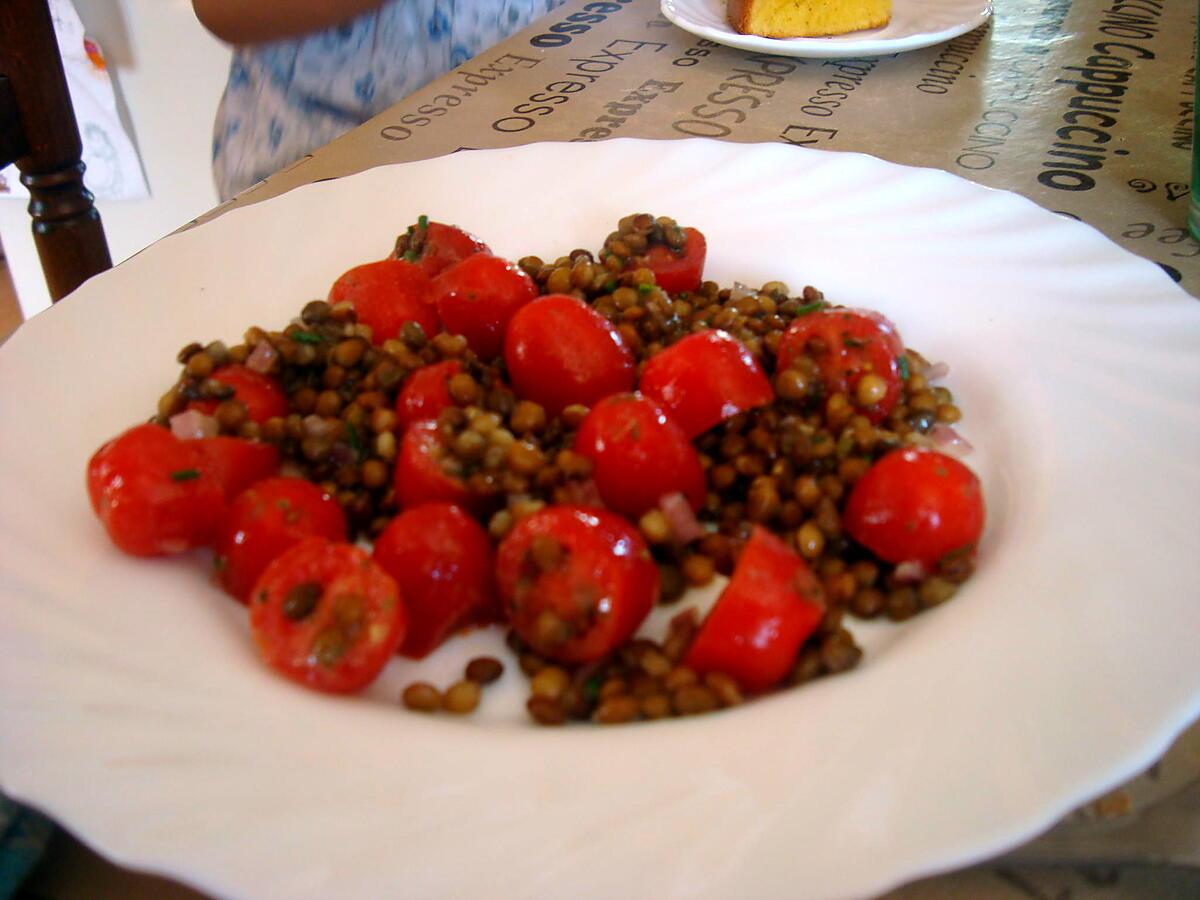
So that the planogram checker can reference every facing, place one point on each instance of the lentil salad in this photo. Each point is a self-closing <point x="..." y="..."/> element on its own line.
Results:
<point x="385" y="415"/>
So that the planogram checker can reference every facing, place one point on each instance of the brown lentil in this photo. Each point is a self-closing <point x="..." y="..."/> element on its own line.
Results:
<point x="421" y="696"/>
<point x="692" y="699"/>
<point x="698" y="570"/>
<point x="461" y="698"/>
<point x="484" y="670"/>
<point x="545" y="711"/>
<point x="617" y="709"/>
<point x="726" y="688"/>
<point x="655" y="706"/>
<point x="549" y="682"/>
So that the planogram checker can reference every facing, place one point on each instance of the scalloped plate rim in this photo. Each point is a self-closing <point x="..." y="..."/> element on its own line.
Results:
<point x="1020" y="827"/>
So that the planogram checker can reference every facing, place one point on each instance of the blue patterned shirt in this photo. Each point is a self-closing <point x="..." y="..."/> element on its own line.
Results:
<point x="284" y="99"/>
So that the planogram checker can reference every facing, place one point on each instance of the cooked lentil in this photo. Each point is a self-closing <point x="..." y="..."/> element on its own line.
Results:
<point x="461" y="698"/>
<point x="484" y="670"/>
<point x="421" y="696"/>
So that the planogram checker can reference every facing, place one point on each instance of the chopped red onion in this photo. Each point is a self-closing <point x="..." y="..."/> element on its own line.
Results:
<point x="316" y="426"/>
<point x="936" y="371"/>
<point x="262" y="357"/>
<point x="685" y="527"/>
<point x="949" y="441"/>
<point x="342" y="455"/>
<point x="192" y="424"/>
<point x="740" y="291"/>
<point x="911" y="571"/>
<point x="582" y="493"/>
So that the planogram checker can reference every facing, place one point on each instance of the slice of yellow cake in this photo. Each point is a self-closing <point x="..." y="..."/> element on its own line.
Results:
<point x="806" y="18"/>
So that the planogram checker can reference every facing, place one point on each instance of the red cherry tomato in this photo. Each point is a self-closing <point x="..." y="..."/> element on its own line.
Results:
<point x="266" y="520"/>
<point x="846" y="346"/>
<point x="916" y="505"/>
<point x="771" y="605"/>
<point x="426" y="393"/>
<point x="237" y="463"/>
<point x="477" y="298"/>
<point x="442" y="560"/>
<point x="576" y="582"/>
<point x="419" y="477"/>
<point x="263" y="397"/>
<point x="385" y="295"/>
<point x="442" y="246"/>
<point x="704" y="379"/>
<point x="679" y="272"/>
<point x="327" y="616"/>
<point x="154" y="493"/>
<point x="560" y="351"/>
<point x="638" y="455"/>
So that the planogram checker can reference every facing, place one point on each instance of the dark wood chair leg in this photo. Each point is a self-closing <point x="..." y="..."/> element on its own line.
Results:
<point x="66" y="225"/>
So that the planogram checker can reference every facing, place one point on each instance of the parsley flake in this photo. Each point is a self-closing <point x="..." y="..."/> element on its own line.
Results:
<point x="354" y="441"/>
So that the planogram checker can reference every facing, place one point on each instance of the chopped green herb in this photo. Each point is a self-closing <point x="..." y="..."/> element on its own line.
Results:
<point x="354" y="441"/>
<point x="185" y="474"/>
<point x="902" y="365"/>
<point x="645" y="288"/>
<point x="610" y="286"/>
<point x="591" y="687"/>
<point x="422" y="221"/>
<point x="307" y="337"/>
<point x="810" y="308"/>
<point x="410" y="256"/>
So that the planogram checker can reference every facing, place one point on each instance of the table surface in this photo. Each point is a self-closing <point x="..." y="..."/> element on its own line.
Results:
<point x="1082" y="108"/>
<point x="1083" y="112"/>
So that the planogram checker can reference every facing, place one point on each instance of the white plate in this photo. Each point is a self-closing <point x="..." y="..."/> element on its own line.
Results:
<point x="914" y="24"/>
<point x="133" y="709"/>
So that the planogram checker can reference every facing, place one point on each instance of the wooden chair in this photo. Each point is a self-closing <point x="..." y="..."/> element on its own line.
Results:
<point x="39" y="133"/>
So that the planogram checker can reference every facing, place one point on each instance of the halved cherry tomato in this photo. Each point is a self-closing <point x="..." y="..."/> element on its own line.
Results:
<point x="442" y="560"/>
<point x="704" y="379"/>
<point x="261" y="394"/>
<point x="419" y="477"/>
<point x="327" y="616"/>
<point x="154" y="493"/>
<point x="477" y="298"/>
<point x="847" y="346"/>
<point x="435" y="246"/>
<point x="638" y="455"/>
<point x="679" y="272"/>
<point x="576" y="581"/>
<point x="385" y="295"/>
<point x="426" y="393"/>
<point x="916" y="505"/>
<point x="267" y="519"/>
<point x="237" y="463"/>
<point x="771" y="605"/>
<point x="560" y="351"/>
